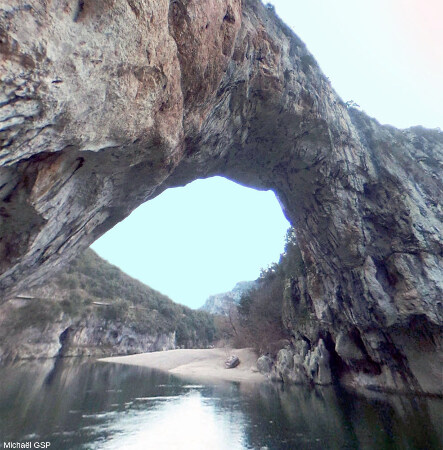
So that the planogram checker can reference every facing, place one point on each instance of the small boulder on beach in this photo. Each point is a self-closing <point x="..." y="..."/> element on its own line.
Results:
<point x="232" y="362"/>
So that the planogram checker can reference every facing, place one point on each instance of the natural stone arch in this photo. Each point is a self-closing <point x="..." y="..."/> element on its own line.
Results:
<point x="105" y="104"/>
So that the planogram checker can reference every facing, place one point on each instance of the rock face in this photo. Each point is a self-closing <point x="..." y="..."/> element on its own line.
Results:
<point x="221" y="304"/>
<point x="105" y="104"/>
<point x="303" y="366"/>
<point x="94" y="309"/>
<point x="68" y="337"/>
<point x="394" y="358"/>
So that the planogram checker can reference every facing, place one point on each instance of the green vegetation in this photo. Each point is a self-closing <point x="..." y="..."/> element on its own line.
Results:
<point x="257" y="322"/>
<point x="92" y="288"/>
<point x="32" y="314"/>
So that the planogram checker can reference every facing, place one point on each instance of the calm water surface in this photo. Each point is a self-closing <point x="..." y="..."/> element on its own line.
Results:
<point x="91" y="405"/>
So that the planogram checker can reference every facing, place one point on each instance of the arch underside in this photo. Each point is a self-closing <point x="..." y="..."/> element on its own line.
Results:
<point x="105" y="107"/>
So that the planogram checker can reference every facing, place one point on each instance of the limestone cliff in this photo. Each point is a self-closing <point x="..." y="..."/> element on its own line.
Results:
<point x="221" y="304"/>
<point x="104" y="104"/>
<point x="93" y="309"/>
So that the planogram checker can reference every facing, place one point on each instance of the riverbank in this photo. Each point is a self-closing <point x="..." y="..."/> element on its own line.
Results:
<point x="198" y="363"/>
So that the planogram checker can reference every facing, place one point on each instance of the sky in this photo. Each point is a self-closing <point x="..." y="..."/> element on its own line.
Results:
<point x="191" y="242"/>
<point x="386" y="55"/>
<point x="198" y="240"/>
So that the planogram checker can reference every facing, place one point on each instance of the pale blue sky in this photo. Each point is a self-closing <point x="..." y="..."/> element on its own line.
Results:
<point x="199" y="240"/>
<point x="386" y="55"/>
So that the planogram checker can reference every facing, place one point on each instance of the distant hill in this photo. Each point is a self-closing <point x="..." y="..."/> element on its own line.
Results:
<point x="93" y="308"/>
<point x="220" y="304"/>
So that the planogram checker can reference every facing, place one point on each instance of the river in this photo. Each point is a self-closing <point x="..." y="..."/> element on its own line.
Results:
<point x="78" y="404"/>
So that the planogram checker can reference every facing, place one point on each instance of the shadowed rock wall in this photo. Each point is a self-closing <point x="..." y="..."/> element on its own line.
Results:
<point x="105" y="104"/>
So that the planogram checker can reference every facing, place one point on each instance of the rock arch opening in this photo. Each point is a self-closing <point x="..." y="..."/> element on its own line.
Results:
<point x="198" y="240"/>
<point x="93" y="127"/>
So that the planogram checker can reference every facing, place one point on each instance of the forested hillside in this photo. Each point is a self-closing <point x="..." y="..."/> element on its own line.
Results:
<point x="92" y="307"/>
<point x="259" y="318"/>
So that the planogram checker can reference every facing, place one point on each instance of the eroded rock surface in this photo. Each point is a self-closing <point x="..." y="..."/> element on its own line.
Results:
<point x="105" y="104"/>
<point x="82" y="337"/>
<point x="222" y="304"/>
<point x="92" y="308"/>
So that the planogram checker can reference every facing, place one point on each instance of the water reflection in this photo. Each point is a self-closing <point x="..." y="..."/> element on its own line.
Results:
<point x="186" y="422"/>
<point x="77" y="404"/>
